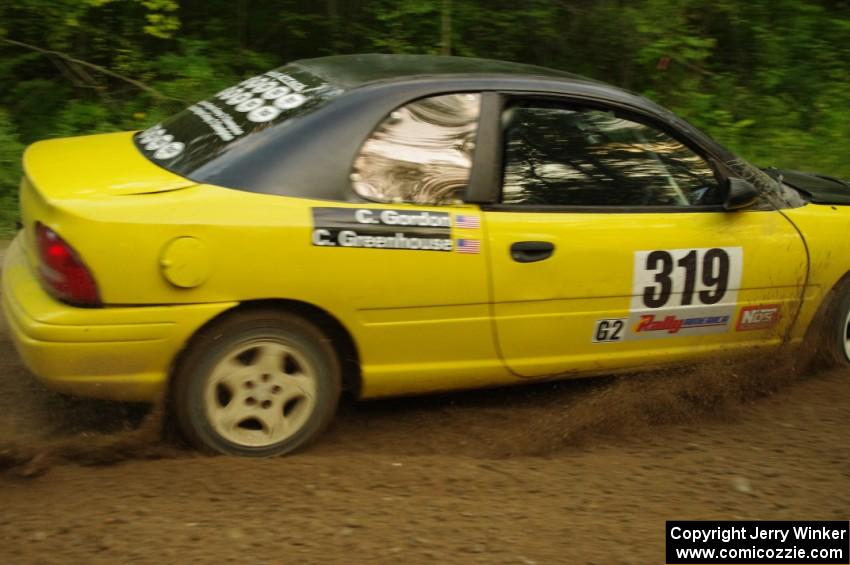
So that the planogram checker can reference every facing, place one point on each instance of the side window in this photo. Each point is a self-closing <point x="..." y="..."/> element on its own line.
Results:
<point x="421" y="153"/>
<point x="563" y="156"/>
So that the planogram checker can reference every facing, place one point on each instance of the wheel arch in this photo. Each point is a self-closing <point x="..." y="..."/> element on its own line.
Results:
<point x="341" y="339"/>
<point x="815" y="326"/>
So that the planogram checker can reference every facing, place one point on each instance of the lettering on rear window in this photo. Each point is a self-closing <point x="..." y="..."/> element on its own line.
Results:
<point x="208" y="129"/>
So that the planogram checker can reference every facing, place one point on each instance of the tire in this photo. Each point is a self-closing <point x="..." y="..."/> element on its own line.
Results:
<point x="835" y="332"/>
<point x="260" y="383"/>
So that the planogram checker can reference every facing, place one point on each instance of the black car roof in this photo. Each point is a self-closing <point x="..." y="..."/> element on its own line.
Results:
<point x="425" y="75"/>
<point x="311" y="155"/>
<point x="351" y="71"/>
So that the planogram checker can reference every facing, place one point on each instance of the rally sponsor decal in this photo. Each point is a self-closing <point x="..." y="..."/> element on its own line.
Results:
<point x="665" y="324"/>
<point x="674" y="324"/>
<point x="761" y="317"/>
<point x="382" y="229"/>
<point x="687" y="321"/>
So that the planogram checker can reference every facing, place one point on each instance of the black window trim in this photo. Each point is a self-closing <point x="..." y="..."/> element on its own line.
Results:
<point x="485" y="184"/>
<point x="602" y="209"/>
<point x="487" y="159"/>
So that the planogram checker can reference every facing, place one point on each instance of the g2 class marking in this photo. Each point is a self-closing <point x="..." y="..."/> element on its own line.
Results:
<point x="609" y="330"/>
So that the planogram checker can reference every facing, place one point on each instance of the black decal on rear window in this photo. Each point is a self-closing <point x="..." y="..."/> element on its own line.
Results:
<point x="187" y="142"/>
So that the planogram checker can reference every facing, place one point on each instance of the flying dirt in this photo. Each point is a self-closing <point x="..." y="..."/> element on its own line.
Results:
<point x="582" y="472"/>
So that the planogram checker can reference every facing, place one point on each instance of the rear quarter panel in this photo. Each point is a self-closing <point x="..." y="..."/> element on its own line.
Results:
<point x="420" y="319"/>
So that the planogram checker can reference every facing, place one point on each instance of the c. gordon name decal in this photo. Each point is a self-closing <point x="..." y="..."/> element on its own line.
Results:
<point x="397" y="218"/>
<point x="382" y="229"/>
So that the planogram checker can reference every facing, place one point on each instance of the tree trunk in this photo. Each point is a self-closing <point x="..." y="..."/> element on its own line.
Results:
<point x="446" y="28"/>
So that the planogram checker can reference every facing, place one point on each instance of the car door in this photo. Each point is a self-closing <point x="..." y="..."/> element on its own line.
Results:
<point x="406" y="258"/>
<point x="611" y="249"/>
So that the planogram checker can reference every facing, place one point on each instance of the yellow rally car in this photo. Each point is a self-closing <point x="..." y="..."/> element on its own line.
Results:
<point x="399" y="224"/>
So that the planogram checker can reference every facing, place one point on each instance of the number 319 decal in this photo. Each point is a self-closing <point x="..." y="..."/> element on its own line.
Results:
<point x="686" y="277"/>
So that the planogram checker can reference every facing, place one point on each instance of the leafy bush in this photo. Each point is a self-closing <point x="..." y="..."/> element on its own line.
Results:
<point x="768" y="78"/>
<point x="10" y="174"/>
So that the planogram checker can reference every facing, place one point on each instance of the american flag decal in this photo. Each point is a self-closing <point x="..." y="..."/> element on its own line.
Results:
<point x="469" y="222"/>
<point x="468" y="246"/>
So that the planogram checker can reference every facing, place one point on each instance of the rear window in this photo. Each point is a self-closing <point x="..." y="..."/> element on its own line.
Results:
<point x="421" y="153"/>
<point x="208" y="129"/>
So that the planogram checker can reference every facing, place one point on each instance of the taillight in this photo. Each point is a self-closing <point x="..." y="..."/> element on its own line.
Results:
<point x="63" y="273"/>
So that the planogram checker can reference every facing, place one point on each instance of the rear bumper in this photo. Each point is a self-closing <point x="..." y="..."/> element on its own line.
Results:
<point x="121" y="353"/>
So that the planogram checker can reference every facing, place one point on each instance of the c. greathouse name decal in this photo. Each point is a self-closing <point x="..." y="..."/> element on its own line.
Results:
<point x="382" y="229"/>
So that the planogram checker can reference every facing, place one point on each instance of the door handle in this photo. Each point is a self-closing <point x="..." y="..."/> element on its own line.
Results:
<point x="531" y="251"/>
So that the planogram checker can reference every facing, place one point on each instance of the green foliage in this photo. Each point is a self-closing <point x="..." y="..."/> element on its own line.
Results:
<point x="768" y="78"/>
<point x="10" y="164"/>
<point x="161" y="19"/>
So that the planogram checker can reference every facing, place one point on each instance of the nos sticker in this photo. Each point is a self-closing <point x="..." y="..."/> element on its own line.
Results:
<point x="762" y="317"/>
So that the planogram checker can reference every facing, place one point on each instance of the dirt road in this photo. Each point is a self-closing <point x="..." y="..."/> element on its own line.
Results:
<point x="580" y="472"/>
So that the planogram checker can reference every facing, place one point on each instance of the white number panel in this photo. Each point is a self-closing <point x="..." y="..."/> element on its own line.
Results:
<point x="684" y="291"/>
<point x="668" y="278"/>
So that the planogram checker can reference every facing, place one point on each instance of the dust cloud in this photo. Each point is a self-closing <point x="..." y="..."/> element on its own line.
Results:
<point x="39" y="429"/>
